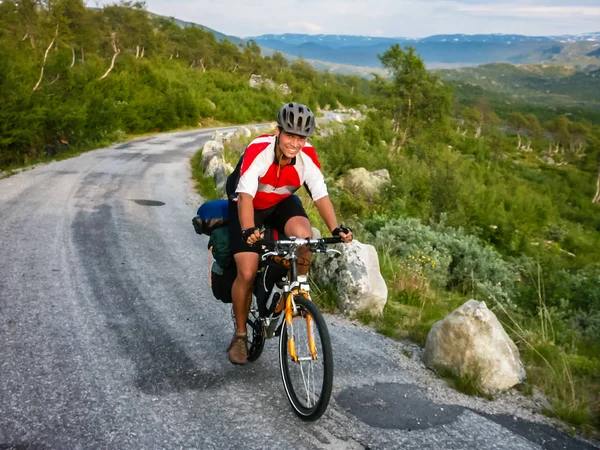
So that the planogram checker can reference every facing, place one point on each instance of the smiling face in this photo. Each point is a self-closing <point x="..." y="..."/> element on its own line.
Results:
<point x="290" y="144"/>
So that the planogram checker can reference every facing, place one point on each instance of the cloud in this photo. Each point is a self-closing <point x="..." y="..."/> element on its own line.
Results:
<point x="307" y="27"/>
<point x="394" y="18"/>
<point x="532" y="11"/>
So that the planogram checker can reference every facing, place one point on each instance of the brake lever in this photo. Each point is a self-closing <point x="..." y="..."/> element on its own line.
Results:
<point x="334" y="252"/>
<point x="264" y="256"/>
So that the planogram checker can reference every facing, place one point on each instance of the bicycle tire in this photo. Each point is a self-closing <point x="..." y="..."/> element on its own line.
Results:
<point x="256" y="338"/>
<point x="308" y="409"/>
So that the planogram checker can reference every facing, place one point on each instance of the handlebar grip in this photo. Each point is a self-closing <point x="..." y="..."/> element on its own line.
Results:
<point x="332" y="240"/>
<point x="266" y="242"/>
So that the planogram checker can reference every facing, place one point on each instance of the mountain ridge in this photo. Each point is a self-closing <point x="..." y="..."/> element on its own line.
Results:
<point x="443" y="48"/>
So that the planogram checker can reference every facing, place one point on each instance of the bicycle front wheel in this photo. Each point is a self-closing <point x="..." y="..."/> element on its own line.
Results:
<point x="306" y="360"/>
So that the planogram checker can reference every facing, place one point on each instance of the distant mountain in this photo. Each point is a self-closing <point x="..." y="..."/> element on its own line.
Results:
<point x="550" y="85"/>
<point x="455" y="49"/>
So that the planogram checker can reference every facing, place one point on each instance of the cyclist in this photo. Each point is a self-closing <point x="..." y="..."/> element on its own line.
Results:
<point x="260" y="191"/>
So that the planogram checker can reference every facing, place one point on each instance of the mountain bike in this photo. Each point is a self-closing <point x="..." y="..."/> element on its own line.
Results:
<point x="282" y="307"/>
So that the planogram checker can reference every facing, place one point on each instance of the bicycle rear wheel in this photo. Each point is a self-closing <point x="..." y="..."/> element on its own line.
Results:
<point x="256" y="335"/>
<point x="307" y="375"/>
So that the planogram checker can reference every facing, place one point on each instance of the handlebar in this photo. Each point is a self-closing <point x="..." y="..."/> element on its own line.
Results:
<point x="284" y="247"/>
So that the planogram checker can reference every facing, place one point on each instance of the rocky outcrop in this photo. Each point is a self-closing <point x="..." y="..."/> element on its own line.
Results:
<point x="355" y="276"/>
<point x="471" y="340"/>
<point x="362" y="182"/>
<point x="257" y="81"/>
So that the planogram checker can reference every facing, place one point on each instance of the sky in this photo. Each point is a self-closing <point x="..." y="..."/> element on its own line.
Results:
<point x="390" y="18"/>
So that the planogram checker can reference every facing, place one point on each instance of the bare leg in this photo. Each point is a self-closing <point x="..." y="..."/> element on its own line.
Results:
<point x="241" y="292"/>
<point x="300" y="227"/>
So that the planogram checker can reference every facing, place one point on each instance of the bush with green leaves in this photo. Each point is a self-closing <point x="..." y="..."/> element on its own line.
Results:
<point x="462" y="261"/>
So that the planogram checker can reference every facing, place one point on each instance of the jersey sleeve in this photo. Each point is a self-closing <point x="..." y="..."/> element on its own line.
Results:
<point x="256" y="162"/>
<point x="313" y="177"/>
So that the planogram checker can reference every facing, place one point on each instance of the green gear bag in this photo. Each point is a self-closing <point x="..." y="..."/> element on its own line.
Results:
<point x="219" y="241"/>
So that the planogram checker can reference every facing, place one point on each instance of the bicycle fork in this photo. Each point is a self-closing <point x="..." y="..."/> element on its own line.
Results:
<point x="289" y="318"/>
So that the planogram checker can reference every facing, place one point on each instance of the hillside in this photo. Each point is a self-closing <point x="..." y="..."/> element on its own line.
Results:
<point x="549" y="85"/>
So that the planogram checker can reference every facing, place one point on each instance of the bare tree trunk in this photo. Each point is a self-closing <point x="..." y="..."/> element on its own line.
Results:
<point x="29" y="34"/>
<point x="143" y="49"/>
<point x="171" y="57"/>
<point x="192" y="64"/>
<point x="82" y="55"/>
<point x="478" y="130"/>
<point x="395" y="131"/>
<point x="44" y="61"/>
<point x="596" y="198"/>
<point x="202" y="65"/>
<point x="112" y="63"/>
<point x="405" y="133"/>
<point x="54" y="81"/>
<point x="235" y="67"/>
<point x="137" y="51"/>
<point x="73" y="54"/>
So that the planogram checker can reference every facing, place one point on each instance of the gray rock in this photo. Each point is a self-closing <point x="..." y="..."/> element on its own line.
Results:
<point x="243" y="132"/>
<point x="285" y="89"/>
<point x="355" y="276"/>
<point x="210" y="150"/>
<point x="212" y="166"/>
<point x="471" y="340"/>
<point x="361" y="181"/>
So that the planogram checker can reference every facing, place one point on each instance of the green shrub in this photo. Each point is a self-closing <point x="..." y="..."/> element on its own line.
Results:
<point x="451" y="258"/>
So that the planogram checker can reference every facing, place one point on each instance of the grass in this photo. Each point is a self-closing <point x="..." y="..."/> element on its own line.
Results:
<point x="468" y="382"/>
<point x="570" y="380"/>
<point x="205" y="186"/>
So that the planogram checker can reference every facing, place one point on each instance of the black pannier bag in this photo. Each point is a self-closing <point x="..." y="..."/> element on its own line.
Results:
<point x="223" y="270"/>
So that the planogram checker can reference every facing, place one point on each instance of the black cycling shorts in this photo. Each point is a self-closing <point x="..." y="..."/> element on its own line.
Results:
<point x="275" y="217"/>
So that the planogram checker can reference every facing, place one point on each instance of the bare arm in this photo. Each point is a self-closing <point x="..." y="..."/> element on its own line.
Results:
<point x="327" y="213"/>
<point x="246" y="215"/>
<point x="245" y="210"/>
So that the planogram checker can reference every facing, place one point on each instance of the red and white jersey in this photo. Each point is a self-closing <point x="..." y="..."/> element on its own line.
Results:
<point x="266" y="181"/>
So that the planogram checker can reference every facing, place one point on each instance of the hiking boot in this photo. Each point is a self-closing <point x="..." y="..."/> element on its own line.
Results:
<point x="237" y="350"/>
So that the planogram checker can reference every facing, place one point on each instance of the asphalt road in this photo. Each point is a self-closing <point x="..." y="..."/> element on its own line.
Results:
<point x="110" y="338"/>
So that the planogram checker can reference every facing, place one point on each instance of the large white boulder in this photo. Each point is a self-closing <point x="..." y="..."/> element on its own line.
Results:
<point x="243" y="132"/>
<point x="355" y="276"/>
<point x="210" y="150"/>
<point x="471" y="340"/>
<point x="212" y="166"/>
<point x="361" y="181"/>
